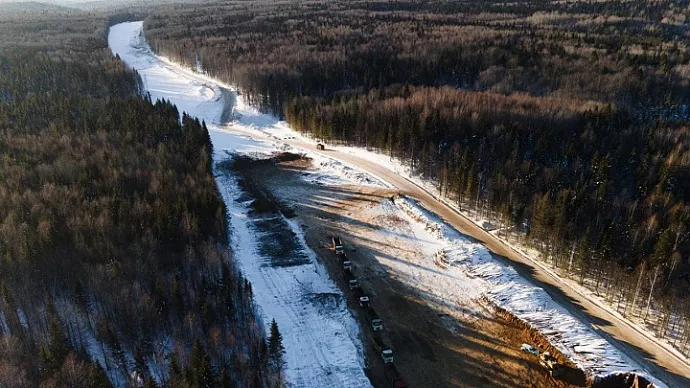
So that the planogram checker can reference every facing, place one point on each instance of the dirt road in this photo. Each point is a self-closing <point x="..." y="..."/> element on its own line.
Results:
<point x="436" y="343"/>
<point x="663" y="365"/>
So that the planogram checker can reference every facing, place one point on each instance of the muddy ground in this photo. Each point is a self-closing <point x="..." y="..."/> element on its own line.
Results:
<point x="434" y="346"/>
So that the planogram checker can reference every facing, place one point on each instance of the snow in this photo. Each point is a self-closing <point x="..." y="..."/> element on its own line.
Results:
<point x="418" y="262"/>
<point x="332" y="172"/>
<point x="194" y="93"/>
<point x="320" y="335"/>
<point x="22" y="318"/>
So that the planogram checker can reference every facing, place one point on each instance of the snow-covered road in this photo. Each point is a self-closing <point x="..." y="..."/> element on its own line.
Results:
<point x="321" y="338"/>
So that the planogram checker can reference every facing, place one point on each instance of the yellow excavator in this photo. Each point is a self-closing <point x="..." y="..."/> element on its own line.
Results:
<point x="550" y="363"/>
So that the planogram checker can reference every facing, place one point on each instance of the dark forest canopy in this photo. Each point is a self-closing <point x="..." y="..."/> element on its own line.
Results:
<point x="632" y="55"/>
<point x="113" y="237"/>
<point x="568" y="121"/>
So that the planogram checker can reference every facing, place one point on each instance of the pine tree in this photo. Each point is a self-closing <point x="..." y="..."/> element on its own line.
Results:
<point x="275" y="353"/>
<point x="82" y="297"/>
<point x="175" y="377"/>
<point x="275" y="341"/>
<point x="45" y="363"/>
<point x="100" y="379"/>
<point x="150" y="383"/>
<point x="225" y="380"/>
<point x="200" y="367"/>
<point x="59" y="344"/>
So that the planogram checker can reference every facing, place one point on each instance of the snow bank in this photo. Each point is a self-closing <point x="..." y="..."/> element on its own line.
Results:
<point x="330" y="171"/>
<point x="502" y="285"/>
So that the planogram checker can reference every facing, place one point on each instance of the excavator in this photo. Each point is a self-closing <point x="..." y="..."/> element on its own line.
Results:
<point x="551" y="364"/>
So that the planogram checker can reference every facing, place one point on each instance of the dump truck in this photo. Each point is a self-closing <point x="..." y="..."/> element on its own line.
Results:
<point x="551" y="364"/>
<point x="382" y="349"/>
<point x="374" y="320"/>
<point x="349" y="277"/>
<point x="346" y="263"/>
<point x="337" y="245"/>
<point x="393" y="377"/>
<point x="362" y="298"/>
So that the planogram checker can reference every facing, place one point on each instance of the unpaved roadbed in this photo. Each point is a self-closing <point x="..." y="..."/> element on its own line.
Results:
<point x="436" y="343"/>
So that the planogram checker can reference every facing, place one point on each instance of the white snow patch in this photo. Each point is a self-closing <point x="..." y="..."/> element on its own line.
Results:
<point x="22" y="318"/>
<point x="332" y="172"/>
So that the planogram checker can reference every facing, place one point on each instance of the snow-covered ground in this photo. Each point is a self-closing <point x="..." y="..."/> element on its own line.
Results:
<point x="320" y="335"/>
<point x="476" y="271"/>
<point x="466" y="269"/>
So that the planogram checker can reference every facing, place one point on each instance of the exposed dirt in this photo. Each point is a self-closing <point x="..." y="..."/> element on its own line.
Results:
<point x="434" y="346"/>
<point x="644" y="350"/>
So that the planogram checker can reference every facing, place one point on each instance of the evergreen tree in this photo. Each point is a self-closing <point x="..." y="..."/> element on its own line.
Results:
<point x="59" y="344"/>
<point x="275" y="341"/>
<point x="275" y="352"/>
<point x="200" y="367"/>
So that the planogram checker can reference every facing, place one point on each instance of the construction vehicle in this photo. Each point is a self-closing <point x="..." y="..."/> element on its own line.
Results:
<point x="347" y="264"/>
<point x="393" y="376"/>
<point x="374" y="320"/>
<point x="551" y="364"/>
<point x="382" y="349"/>
<point x="362" y="298"/>
<point x="349" y="277"/>
<point x="337" y="245"/>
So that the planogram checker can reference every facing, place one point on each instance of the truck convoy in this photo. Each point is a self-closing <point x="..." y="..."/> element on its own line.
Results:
<point x="382" y="349"/>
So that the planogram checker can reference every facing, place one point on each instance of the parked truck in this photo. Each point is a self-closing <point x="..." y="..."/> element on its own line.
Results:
<point x="393" y="377"/>
<point x="362" y="298"/>
<point x="346" y="263"/>
<point x="337" y="245"/>
<point x="349" y="277"/>
<point x="374" y="320"/>
<point x="382" y="349"/>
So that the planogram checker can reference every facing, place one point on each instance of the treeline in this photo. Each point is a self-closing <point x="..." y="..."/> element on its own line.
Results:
<point x="609" y="52"/>
<point x="114" y="262"/>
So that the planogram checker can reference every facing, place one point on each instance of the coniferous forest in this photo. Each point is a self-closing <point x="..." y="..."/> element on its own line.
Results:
<point x="567" y="121"/>
<point x="114" y="264"/>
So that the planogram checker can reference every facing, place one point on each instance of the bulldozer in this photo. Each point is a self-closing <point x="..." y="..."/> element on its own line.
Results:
<point x="551" y="364"/>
